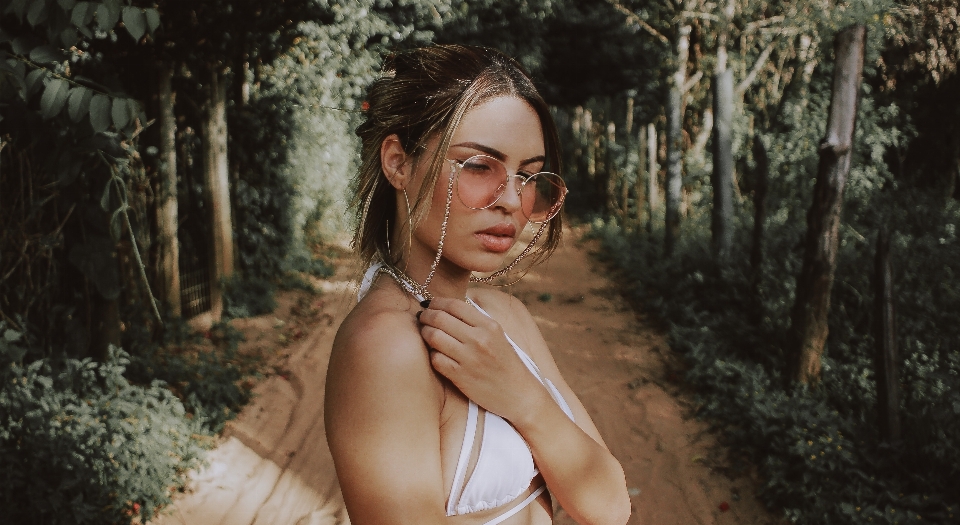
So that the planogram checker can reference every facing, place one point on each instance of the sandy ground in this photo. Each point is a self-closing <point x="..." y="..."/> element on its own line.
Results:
<point x="273" y="466"/>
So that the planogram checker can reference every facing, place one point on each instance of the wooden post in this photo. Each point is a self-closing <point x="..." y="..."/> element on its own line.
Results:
<point x="809" y="328"/>
<point x="169" y="246"/>
<point x="218" y="189"/>
<point x="885" y="343"/>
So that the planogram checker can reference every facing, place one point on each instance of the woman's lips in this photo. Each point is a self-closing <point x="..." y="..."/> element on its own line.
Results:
<point x="497" y="239"/>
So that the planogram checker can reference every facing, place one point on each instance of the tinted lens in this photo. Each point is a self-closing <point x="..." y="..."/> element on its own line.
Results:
<point x="481" y="181"/>
<point x="542" y="196"/>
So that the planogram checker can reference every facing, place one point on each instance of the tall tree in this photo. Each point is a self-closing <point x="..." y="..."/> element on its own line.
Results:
<point x="167" y="212"/>
<point x="722" y="179"/>
<point x="809" y="328"/>
<point x="674" y="110"/>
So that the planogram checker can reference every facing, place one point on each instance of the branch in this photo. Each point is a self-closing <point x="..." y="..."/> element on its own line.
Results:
<point x="755" y="70"/>
<point x="633" y="17"/>
<point x="761" y="23"/>
<point x="692" y="81"/>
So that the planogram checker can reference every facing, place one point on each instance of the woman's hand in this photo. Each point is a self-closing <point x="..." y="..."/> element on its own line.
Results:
<point x="471" y="350"/>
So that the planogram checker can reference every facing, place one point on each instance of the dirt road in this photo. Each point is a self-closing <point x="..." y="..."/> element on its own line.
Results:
<point x="274" y="466"/>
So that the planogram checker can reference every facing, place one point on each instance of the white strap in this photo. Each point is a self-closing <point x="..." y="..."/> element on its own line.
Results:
<point x="469" y="433"/>
<point x="503" y="517"/>
<point x="367" y="281"/>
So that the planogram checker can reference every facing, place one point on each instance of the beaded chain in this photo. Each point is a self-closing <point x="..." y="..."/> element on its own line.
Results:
<point x="443" y="234"/>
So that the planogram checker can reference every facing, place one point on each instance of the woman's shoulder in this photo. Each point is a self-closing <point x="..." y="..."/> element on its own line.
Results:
<point x="380" y="337"/>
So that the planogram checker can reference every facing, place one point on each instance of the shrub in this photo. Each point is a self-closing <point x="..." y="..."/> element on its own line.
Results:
<point x="817" y="450"/>
<point x="80" y="444"/>
<point x="206" y="377"/>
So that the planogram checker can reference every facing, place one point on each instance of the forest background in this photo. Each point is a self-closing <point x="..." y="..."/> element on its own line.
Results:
<point x="778" y="181"/>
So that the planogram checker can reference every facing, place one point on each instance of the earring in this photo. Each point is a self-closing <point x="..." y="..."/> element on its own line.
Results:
<point x="409" y="229"/>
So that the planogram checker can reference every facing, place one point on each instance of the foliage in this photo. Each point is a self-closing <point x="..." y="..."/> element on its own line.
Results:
<point x="204" y="371"/>
<point x="817" y="450"/>
<point x="80" y="444"/>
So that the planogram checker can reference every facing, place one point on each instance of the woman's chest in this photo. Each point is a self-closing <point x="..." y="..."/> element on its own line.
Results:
<point x="487" y="467"/>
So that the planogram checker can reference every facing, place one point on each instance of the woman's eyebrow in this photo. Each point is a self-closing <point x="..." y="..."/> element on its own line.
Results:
<point x="497" y="154"/>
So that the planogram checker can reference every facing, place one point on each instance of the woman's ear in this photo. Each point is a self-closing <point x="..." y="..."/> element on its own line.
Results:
<point x="393" y="160"/>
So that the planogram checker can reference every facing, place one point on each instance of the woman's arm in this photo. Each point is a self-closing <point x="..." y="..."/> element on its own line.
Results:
<point x="382" y="417"/>
<point x="473" y="353"/>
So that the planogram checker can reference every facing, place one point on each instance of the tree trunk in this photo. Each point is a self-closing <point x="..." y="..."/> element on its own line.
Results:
<point x="722" y="180"/>
<point x="640" y="194"/>
<point x="218" y="189"/>
<point x="653" y="198"/>
<point x="609" y="181"/>
<point x="885" y="341"/>
<point x="808" y="331"/>
<point x="675" y="138"/>
<point x="169" y="246"/>
<point x="759" y="207"/>
<point x="105" y="329"/>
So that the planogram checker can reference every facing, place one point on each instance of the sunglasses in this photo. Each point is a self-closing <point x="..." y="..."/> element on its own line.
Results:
<point x="481" y="181"/>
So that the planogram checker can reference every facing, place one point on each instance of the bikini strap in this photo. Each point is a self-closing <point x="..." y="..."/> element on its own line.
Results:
<point x="469" y="435"/>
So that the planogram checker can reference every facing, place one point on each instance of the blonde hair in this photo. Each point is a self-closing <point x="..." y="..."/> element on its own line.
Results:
<point x="424" y="93"/>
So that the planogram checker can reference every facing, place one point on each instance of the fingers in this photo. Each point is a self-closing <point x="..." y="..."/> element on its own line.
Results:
<point x="438" y="339"/>
<point x="458" y="310"/>
<point x="443" y="364"/>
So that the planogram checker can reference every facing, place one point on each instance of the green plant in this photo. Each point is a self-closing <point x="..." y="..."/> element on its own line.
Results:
<point x="817" y="449"/>
<point x="206" y="376"/>
<point x="80" y="444"/>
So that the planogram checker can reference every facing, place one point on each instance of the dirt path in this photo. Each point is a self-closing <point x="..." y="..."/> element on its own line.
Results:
<point x="274" y="466"/>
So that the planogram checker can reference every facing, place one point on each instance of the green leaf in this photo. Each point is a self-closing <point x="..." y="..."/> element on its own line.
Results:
<point x="46" y="54"/>
<point x="37" y="12"/>
<point x="81" y="14"/>
<point x="107" y="15"/>
<point x="100" y="113"/>
<point x="34" y="80"/>
<point x="54" y="97"/>
<point x="116" y="225"/>
<point x="134" y="21"/>
<point x="119" y="113"/>
<point x="153" y="19"/>
<point x="67" y="4"/>
<point x="17" y="7"/>
<point x="133" y="107"/>
<point x="68" y="37"/>
<point x="11" y="336"/>
<point x="20" y="46"/>
<point x="14" y="75"/>
<point x="79" y="103"/>
<point x="105" y="198"/>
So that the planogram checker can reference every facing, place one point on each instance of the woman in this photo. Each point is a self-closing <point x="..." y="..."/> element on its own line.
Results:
<point x="443" y="403"/>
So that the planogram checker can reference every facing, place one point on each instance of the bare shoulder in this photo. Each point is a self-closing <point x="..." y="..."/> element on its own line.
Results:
<point x="379" y="346"/>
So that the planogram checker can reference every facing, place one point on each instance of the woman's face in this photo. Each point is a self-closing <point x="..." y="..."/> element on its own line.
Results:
<point x="509" y="130"/>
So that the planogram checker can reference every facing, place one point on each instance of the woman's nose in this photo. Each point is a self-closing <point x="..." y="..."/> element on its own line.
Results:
<point x="510" y="198"/>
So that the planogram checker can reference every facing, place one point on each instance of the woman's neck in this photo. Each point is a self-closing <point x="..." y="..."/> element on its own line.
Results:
<point x="449" y="280"/>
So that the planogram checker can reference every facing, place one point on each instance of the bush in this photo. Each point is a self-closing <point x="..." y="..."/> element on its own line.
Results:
<point x="206" y="377"/>
<point x="817" y="450"/>
<point x="80" y="444"/>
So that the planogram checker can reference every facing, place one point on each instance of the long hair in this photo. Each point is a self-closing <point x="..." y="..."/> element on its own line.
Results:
<point x="421" y="94"/>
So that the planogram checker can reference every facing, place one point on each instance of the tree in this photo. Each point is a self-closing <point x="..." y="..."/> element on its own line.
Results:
<point x="809" y="328"/>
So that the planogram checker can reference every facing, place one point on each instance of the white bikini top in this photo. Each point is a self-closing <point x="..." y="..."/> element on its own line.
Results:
<point x="495" y="465"/>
